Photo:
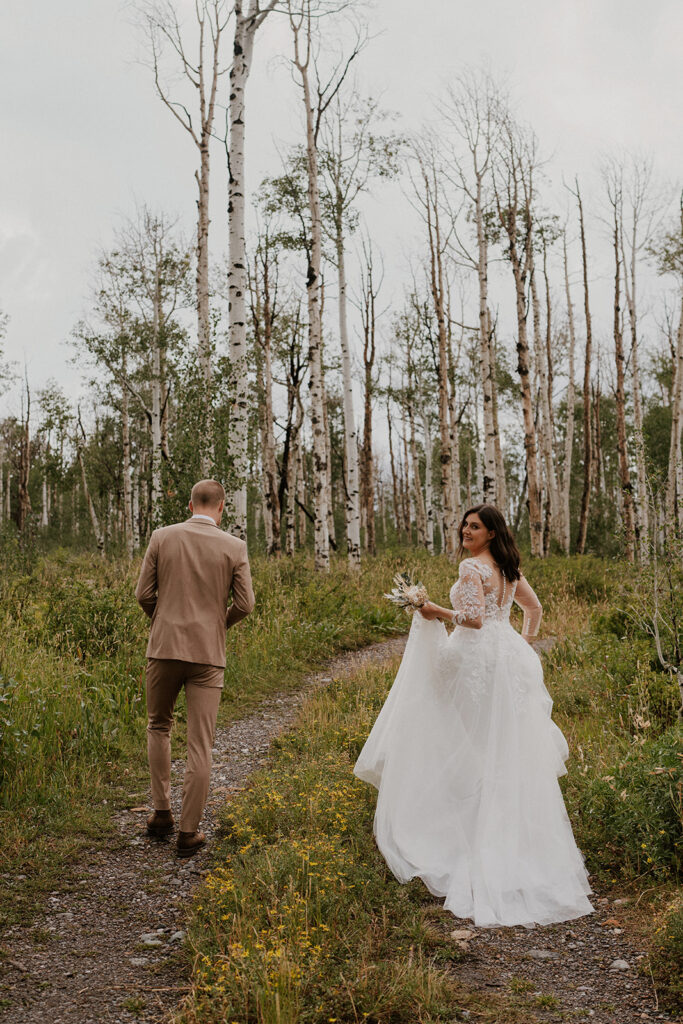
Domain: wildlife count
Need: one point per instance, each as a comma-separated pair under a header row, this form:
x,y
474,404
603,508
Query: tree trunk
x,y
316,384
429,497
420,511
156,411
587,440
438,296
398,515
24,506
129,539
674,495
546,417
246,27
97,529
624,472
486,368
641,503
352,501
571,400
329,501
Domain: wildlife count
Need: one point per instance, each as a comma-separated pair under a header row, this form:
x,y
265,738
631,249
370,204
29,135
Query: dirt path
x,y
109,949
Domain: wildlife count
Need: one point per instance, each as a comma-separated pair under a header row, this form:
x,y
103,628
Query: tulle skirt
x,y
466,758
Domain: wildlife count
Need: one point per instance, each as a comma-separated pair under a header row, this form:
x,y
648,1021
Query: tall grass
x,y
72,710
300,921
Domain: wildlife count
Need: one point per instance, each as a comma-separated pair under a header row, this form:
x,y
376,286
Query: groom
x,y
188,573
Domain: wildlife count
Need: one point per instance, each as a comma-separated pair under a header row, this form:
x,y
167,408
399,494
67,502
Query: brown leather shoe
x,y
189,842
160,823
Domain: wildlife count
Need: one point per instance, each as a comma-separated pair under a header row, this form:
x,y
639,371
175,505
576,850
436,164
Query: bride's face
x,y
475,536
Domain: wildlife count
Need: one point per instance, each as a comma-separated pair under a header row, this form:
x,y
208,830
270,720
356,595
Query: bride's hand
x,y
429,610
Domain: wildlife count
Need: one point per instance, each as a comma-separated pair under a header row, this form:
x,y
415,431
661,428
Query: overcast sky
x,y
84,137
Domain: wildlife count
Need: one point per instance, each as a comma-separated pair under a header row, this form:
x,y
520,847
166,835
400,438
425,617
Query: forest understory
x,y
88,895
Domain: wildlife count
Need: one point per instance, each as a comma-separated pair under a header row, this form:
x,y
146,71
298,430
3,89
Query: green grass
x,y
72,710
300,919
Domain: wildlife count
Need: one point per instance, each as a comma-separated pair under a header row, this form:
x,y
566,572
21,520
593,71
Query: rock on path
x,y
108,947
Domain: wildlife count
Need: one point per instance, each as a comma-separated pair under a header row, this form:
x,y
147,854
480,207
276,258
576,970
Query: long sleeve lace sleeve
x,y
531,606
468,597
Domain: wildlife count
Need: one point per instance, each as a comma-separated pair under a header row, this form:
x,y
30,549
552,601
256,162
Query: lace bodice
x,y
483,593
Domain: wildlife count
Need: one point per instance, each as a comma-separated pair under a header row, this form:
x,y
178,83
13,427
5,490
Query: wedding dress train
x,y
466,760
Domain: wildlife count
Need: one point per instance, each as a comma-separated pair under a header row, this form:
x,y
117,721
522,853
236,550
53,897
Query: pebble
x,y
542,954
138,961
178,936
462,933
619,965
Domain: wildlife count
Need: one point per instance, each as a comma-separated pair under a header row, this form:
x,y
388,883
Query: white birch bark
x,y
429,489
352,502
129,539
302,59
246,26
545,432
674,488
203,73
637,190
571,401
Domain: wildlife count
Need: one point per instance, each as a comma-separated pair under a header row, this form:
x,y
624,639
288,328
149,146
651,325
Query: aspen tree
x,y
571,399
587,426
472,109
263,288
203,73
248,19
634,238
303,59
613,180
369,293
438,221
94,518
514,185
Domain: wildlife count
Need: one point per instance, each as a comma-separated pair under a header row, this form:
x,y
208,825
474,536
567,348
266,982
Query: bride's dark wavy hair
x,y
503,547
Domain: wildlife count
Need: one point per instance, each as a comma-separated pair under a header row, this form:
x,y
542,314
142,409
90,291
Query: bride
x,y
464,754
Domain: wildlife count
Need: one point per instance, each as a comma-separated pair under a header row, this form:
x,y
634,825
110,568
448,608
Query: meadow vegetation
x,y
299,919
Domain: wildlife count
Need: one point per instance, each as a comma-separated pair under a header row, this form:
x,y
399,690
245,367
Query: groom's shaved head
x,y
207,494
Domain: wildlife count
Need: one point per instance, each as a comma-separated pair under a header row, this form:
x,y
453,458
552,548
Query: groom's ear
x,y
189,505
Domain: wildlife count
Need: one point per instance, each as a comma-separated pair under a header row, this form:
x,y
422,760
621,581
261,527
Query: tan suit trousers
x,y
165,679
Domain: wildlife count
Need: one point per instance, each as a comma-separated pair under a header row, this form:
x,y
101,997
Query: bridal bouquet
x,y
407,593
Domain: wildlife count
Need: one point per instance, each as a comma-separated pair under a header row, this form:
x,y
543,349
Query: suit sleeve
x,y
242,591
146,590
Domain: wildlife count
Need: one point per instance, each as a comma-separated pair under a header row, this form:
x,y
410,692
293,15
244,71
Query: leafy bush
x,y
666,958
630,817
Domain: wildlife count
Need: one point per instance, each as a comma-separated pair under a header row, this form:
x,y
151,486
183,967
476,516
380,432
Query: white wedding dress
x,y
465,758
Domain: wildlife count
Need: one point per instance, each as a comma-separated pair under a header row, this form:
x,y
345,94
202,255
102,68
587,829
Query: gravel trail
x,y
108,949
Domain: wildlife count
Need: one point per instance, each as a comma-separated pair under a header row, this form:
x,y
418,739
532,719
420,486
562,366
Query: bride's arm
x,y
532,608
469,610
431,610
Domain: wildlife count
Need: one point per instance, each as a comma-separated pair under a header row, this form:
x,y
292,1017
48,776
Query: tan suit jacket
x,y
188,573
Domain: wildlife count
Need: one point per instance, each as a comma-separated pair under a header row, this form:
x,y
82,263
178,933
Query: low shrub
x,y
666,958
629,816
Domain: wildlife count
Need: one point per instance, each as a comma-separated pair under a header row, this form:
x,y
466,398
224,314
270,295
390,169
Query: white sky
x,y
84,137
